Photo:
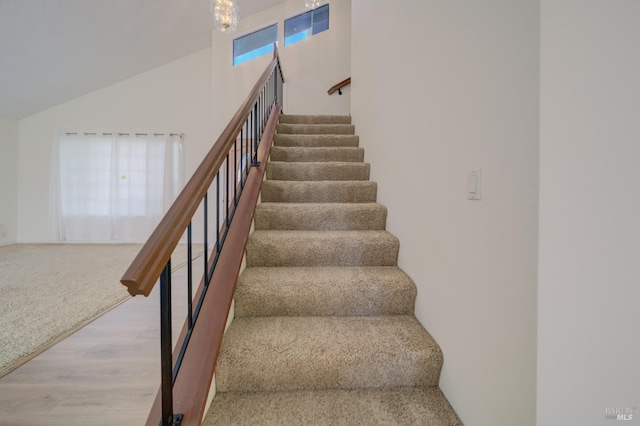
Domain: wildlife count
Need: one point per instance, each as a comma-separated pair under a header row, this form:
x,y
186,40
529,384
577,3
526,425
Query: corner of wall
x,y
9,141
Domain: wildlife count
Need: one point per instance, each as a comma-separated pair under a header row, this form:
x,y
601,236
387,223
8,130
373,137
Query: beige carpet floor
x,y
48,291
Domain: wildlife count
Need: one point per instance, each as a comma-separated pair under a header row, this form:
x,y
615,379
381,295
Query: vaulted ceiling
x,y
52,51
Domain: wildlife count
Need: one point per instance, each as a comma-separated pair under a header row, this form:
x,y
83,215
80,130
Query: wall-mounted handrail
x,y
338,86
249,133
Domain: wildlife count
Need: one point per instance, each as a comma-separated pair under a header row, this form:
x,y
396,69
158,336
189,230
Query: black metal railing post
x,y
254,160
227,218
275,87
205,202
189,278
218,212
166,360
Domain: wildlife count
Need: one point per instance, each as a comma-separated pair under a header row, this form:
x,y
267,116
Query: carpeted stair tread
x,y
408,406
326,352
324,291
320,216
315,154
316,129
319,191
316,140
315,119
324,331
284,170
322,248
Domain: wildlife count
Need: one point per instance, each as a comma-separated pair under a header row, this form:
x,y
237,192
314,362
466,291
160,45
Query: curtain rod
x,y
123,134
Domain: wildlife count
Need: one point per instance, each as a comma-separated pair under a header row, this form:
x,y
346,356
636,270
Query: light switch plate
x,y
474,184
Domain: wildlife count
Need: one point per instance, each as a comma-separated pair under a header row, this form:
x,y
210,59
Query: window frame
x,y
249,33
310,29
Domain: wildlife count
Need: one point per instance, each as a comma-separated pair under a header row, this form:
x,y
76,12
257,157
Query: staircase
x,y
324,331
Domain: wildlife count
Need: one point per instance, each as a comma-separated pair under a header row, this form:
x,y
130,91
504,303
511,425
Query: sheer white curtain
x,y
113,187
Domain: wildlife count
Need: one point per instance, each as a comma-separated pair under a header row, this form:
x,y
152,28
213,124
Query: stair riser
x,y
324,292
386,406
316,140
316,129
282,170
314,119
349,374
300,354
321,250
297,154
309,217
319,192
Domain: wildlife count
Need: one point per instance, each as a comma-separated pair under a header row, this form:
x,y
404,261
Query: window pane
x,y
321,19
255,44
140,176
297,28
85,166
306,24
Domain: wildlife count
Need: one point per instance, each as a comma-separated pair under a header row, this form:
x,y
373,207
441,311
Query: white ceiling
x,y
52,51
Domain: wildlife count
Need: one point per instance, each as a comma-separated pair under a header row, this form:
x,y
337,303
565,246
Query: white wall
x,y
440,88
173,98
8,180
310,67
589,276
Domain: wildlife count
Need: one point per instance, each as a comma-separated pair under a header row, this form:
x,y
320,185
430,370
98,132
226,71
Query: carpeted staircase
x,y
324,331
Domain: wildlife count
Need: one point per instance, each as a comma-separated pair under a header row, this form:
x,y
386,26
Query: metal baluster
x,y
280,94
259,112
189,278
205,201
227,219
270,93
235,174
241,157
251,132
259,106
246,148
254,160
166,346
218,212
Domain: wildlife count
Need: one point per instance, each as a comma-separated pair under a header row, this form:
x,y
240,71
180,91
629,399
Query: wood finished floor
x,y
106,373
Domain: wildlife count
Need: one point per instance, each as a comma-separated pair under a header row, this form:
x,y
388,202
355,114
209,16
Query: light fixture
x,y
313,4
226,14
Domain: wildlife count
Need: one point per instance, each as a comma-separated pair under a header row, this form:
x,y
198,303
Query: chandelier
x,y
313,4
226,14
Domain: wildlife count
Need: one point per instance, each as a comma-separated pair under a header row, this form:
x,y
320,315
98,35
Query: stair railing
x,y
186,373
339,86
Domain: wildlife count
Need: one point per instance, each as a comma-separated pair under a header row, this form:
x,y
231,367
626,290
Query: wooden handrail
x,y
192,384
337,87
147,266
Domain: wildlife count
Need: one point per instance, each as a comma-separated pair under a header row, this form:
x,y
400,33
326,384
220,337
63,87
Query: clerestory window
x,y
306,24
255,44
